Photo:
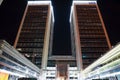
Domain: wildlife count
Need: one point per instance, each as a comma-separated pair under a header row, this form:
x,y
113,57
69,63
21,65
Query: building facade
x,y
33,35
89,36
110,66
89,39
13,65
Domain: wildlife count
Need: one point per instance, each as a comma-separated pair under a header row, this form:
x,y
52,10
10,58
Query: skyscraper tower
x,y
33,35
89,39
89,36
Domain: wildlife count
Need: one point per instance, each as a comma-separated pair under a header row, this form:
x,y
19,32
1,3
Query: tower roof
x,y
39,2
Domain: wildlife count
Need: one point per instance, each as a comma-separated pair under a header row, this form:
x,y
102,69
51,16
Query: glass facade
x,y
31,37
13,64
93,42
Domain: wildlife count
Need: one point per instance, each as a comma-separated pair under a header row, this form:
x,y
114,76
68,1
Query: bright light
x,y
52,13
71,13
39,2
12,73
112,74
84,2
107,57
19,49
1,2
51,68
60,78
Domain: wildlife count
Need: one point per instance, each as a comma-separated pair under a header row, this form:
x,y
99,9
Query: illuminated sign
x,y
4,76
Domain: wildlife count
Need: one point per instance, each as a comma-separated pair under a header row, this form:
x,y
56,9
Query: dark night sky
x,y
61,39
11,12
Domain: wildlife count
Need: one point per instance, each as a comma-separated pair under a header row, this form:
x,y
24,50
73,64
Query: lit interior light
x,y
27,55
19,49
84,56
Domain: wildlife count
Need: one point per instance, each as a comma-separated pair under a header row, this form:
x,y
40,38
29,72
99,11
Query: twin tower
x,y
88,36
